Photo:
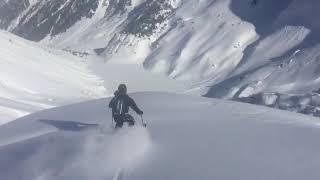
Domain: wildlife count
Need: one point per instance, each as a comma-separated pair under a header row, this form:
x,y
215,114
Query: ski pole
x,y
112,120
143,124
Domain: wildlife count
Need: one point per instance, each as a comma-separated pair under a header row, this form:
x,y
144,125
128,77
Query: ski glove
x,y
140,112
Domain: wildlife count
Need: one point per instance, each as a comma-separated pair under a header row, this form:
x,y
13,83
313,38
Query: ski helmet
x,y
122,89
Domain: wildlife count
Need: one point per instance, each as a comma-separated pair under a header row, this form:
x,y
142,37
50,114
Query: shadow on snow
x,y
69,125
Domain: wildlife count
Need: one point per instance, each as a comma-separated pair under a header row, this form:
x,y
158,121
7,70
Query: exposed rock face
x,y
53,17
10,10
306,104
232,49
144,19
116,7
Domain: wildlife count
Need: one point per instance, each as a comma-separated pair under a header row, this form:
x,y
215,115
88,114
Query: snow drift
x,y
187,138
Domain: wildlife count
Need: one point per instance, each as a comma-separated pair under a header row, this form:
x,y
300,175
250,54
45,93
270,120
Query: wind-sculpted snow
x,y
206,43
187,137
64,149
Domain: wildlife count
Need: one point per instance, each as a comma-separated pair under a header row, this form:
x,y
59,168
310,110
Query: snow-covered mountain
x,y
261,52
187,137
234,49
33,78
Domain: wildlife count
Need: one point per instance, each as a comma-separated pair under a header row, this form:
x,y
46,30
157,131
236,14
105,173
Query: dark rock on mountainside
x,y
116,7
260,13
143,20
53,17
306,104
11,10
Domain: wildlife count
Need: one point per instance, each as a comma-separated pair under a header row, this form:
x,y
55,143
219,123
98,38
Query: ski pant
x,y
120,119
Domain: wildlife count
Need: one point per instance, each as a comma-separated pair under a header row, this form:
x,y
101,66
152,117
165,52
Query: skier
x,y
120,104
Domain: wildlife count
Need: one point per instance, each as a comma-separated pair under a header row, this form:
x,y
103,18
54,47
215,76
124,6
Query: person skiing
x,y
120,104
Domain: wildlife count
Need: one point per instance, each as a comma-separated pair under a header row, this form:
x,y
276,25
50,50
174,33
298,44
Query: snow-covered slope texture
x,y
186,138
208,39
222,48
33,78
284,61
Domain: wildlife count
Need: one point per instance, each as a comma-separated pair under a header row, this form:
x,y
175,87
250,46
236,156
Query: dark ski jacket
x,y
127,102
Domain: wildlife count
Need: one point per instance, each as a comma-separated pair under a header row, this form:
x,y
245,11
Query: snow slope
x,y
206,43
34,77
230,49
220,48
187,137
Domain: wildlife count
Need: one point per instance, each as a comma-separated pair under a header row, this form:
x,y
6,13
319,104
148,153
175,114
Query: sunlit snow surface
x,y
33,77
221,48
228,49
186,138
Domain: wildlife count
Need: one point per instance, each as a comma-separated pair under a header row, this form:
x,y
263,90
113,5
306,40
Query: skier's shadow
x,y
69,125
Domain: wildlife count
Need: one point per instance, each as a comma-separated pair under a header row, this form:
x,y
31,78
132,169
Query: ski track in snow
x,y
187,137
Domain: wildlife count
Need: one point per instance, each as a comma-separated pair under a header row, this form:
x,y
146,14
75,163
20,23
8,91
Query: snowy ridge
x,y
242,45
231,49
201,42
187,137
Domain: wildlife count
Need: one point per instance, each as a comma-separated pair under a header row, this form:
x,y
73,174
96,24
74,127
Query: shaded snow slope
x,y
134,76
205,43
187,138
220,48
284,59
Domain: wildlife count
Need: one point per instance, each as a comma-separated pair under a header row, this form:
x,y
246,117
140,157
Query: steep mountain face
x,y
11,9
233,49
284,61
53,17
143,20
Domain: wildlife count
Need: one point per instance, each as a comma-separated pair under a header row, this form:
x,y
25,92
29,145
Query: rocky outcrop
x,y
53,17
10,10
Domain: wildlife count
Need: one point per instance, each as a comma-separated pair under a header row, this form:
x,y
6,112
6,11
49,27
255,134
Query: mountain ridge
x,y
221,48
